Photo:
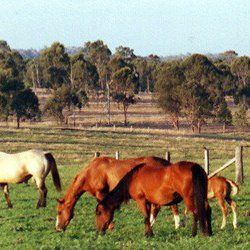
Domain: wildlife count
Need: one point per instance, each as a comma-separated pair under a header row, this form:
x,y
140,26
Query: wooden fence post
x,y
117,155
206,160
167,156
239,175
97,154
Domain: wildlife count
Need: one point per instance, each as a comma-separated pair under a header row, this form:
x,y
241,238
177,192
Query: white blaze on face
x,y
177,221
152,220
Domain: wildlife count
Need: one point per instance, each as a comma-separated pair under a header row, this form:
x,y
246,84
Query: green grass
x,y
25,227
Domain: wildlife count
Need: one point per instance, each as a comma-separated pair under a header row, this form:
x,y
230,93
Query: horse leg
x,y
209,218
6,194
155,209
177,220
224,211
43,193
190,207
145,208
233,207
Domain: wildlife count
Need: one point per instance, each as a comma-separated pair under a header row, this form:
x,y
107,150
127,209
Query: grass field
x,y
25,227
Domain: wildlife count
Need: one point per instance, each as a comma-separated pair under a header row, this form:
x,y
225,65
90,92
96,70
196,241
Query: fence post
x,y
239,164
167,156
97,154
117,155
206,160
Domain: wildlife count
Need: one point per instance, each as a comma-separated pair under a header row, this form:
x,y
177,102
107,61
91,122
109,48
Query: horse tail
x,y
120,193
234,187
55,175
199,178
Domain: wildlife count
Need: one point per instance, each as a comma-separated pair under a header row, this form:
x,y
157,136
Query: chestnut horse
x,y
160,186
220,188
98,179
19,167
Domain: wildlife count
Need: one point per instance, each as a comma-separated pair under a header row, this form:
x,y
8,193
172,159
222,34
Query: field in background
x,y
143,114
24,227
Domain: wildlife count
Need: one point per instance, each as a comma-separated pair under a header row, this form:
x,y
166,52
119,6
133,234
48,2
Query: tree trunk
x,y
18,122
125,109
176,123
148,87
224,127
199,127
108,102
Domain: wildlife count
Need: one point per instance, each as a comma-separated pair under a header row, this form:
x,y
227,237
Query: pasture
x,y
25,227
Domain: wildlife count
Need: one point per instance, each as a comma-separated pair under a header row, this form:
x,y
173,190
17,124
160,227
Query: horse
x,y
20,167
160,186
220,188
98,179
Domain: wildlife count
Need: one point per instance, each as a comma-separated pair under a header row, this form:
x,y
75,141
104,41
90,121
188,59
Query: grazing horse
x,y
160,186
18,168
218,187
98,179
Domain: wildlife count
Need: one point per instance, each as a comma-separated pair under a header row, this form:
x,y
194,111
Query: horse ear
x,y
60,201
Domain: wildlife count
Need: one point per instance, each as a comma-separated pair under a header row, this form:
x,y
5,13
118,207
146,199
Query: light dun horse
x,y
18,168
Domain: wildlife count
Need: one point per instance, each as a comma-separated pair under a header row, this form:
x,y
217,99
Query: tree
x,y
126,53
65,97
33,74
146,70
25,105
240,117
240,68
200,70
167,90
98,54
224,115
15,99
196,104
83,74
54,63
123,88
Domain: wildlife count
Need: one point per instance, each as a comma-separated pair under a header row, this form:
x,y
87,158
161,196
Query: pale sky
x,y
148,26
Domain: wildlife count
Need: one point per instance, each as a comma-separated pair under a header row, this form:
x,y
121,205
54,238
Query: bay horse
x,y
160,186
20,167
98,179
220,188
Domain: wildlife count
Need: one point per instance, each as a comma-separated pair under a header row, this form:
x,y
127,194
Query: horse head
x,y
64,215
104,216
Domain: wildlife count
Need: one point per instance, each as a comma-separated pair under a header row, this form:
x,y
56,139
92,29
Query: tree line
x,y
194,87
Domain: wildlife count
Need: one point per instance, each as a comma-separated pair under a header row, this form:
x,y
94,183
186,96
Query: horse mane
x,y
120,193
161,161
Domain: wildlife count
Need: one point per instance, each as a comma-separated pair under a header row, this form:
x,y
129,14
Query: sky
x,y
159,27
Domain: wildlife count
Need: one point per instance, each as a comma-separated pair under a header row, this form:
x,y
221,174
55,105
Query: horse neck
x,y
75,191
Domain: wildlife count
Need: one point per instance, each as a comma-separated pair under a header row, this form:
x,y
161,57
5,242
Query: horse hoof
x,y
111,226
149,234
10,206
